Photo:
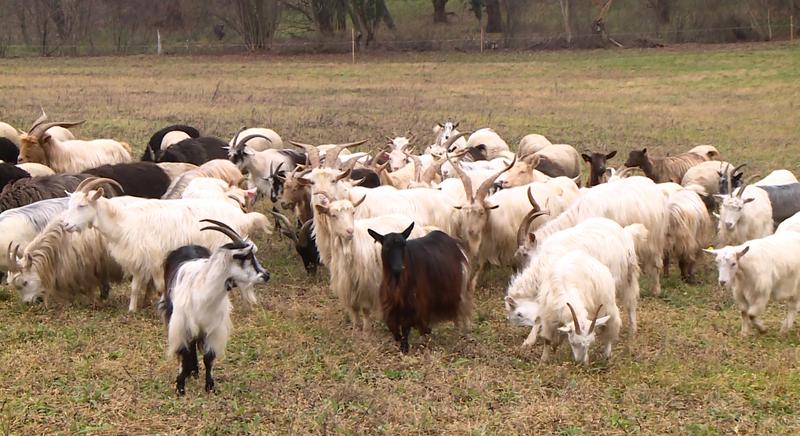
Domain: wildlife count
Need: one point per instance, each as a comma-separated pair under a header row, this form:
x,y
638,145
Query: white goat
x,y
532,143
36,169
140,235
777,177
760,270
744,215
216,189
488,143
791,224
196,308
690,230
19,226
260,139
577,287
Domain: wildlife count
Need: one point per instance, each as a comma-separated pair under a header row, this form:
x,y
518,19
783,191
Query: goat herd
x,y
404,236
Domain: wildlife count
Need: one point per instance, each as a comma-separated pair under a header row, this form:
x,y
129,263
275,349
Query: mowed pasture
x,y
293,364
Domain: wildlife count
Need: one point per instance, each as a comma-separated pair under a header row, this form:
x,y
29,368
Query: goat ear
x,y
407,232
511,302
532,238
644,151
748,200
375,235
612,154
743,252
710,251
97,194
321,209
586,158
603,320
248,151
566,328
719,196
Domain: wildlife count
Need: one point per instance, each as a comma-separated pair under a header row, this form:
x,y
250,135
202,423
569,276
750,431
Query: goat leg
x,y
105,289
208,361
404,339
186,358
194,366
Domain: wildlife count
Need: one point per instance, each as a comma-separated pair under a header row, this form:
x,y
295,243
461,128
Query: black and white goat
x,y
196,308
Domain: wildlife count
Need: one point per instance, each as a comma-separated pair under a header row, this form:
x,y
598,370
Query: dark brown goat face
x,y
597,165
636,158
393,247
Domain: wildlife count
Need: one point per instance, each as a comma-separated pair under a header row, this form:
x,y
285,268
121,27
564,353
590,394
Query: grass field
x,y
293,366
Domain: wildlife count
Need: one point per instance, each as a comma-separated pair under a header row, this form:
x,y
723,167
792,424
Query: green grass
x,y
293,366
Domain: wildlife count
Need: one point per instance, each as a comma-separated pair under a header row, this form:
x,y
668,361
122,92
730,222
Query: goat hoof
x,y
195,374
181,391
210,388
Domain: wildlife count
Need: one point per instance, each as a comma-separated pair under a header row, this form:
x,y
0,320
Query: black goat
x,y
139,179
195,151
30,190
154,145
365,177
11,173
425,280
303,238
597,165
9,152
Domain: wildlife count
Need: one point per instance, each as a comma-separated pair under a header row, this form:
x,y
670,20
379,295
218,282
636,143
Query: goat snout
x,y
264,277
723,283
729,226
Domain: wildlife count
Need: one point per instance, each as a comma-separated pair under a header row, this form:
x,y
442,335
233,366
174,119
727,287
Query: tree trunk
x,y
439,11
494,16
565,15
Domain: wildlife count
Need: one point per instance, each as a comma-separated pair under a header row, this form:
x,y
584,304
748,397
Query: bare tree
x,y
255,20
439,11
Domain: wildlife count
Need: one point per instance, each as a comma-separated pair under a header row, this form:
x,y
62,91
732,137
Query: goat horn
x,y
286,225
238,132
278,168
13,265
417,166
465,180
746,182
483,190
42,118
343,175
596,313
350,164
536,212
574,319
39,130
91,183
735,169
311,151
451,140
357,203
223,228
304,232
332,156
244,140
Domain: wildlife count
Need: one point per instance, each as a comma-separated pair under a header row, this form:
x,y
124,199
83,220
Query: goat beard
x,y
346,247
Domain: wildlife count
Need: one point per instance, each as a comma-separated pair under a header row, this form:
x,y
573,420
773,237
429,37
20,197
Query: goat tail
x,y
638,233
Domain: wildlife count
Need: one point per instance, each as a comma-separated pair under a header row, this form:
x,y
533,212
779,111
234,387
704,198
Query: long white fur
x,y
19,226
791,224
706,174
142,234
627,201
777,177
746,217
74,156
216,189
495,145
428,207
260,144
577,278
36,169
690,226
768,270
173,137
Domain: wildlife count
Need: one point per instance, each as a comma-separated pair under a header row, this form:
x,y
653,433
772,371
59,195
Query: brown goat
x,y
664,169
424,281
597,165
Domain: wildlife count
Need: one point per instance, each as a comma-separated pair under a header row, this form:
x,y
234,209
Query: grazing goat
x,y
760,270
139,235
745,214
777,177
69,156
627,201
711,175
33,189
597,166
138,179
165,137
425,280
664,169
61,266
709,151
532,143
196,308
9,151
20,225
577,285
690,230
216,189
195,151
303,239
260,138
11,173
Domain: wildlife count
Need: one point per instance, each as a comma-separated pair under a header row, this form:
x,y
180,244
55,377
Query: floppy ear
x,y
743,252
375,235
586,158
511,302
321,209
612,154
602,321
407,232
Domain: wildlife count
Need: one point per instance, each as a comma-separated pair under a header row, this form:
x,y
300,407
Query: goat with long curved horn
x,y
285,226
224,229
594,320
483,190
536,212
332,156
39,130
575,319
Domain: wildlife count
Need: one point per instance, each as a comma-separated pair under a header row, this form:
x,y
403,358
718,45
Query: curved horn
x,y
278,168
574,319
244,140
311,151
286,225
483,190
91,183
746,182
597,312
42,118
223,228
417,166
304,232
430,173
343,175
13,265
236,136
451,140
465,180
536,212
737,168
39,130
357,203
332,156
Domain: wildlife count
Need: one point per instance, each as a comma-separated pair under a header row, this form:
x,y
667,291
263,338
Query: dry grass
x,y
293,365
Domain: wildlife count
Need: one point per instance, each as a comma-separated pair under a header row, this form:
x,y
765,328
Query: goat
x,y
303,239
29,190
559,160
664,169
69,156
217,168
486,144
196,308
20,225
260,139
791,224
710,175
577,285
216,189
138,179
261,166
36,169
760,270
11,173
532,143
9,151
627,201
690,229
9,133
709,151
61,266
597,166
745,214
140,234
195,151
444,131
165,137
425,280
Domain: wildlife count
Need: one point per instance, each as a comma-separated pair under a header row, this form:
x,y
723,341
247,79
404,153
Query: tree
x,y
439,11
255,20
366,15
494,15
